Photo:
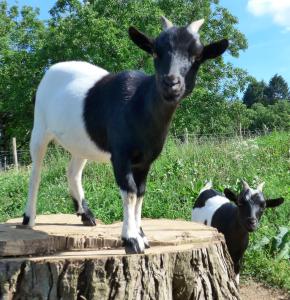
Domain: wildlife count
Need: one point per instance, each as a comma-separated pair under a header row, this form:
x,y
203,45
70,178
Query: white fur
x,y
60,101
202,214
59,113
138,211
130,229
74,175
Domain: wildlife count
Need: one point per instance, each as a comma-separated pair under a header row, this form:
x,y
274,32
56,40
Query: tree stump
x,y
62,259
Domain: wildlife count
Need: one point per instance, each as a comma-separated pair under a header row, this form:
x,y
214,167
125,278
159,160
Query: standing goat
x,y
234,220
123,118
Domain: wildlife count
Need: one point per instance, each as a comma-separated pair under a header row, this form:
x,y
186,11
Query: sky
x,y
265,23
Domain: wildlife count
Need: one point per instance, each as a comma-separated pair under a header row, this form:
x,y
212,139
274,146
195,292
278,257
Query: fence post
x,y
15,158
186,136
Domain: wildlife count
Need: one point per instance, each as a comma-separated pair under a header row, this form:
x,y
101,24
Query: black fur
x,y
142,234
128,114
204,196
226,220
236,219
87,216
131,246
25,220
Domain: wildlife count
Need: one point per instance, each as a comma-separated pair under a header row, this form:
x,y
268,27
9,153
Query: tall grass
x,y
174,183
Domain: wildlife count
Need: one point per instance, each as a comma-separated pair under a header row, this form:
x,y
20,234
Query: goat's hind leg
x,y
74,174
38,147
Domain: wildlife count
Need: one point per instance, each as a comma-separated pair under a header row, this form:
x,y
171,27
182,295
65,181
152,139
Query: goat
x,y
234,220
123,118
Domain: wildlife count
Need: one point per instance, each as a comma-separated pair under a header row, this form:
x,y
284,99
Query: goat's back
x,y
59,106
207,203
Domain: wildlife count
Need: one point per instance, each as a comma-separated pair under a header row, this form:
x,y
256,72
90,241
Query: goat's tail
x,y
207,186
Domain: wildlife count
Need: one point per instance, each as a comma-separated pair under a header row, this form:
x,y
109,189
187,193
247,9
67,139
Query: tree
x,y
22,36
277,89
204,113
255,93
240,115
275,116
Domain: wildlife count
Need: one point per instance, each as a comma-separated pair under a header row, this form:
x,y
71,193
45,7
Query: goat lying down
x,y
120,118
234,219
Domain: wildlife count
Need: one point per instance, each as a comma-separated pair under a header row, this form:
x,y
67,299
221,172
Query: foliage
x,y
22,37
91,31
255,93
207,113
271,117
173,185
260,92
277,89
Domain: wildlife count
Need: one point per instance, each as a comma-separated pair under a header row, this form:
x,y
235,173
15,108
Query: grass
x,y
174,183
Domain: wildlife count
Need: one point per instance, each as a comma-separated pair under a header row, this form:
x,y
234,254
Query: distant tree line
x,y
97,32
267,94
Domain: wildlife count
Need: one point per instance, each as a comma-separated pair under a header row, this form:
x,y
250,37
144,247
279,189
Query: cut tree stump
x,y
62,259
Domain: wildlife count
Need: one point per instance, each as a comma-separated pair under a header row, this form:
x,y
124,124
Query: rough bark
x,y
201,270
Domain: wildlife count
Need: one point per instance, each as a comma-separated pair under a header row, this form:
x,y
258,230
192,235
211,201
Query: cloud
x,y
279,10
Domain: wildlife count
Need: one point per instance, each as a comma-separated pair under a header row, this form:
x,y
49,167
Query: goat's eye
x,y
198,57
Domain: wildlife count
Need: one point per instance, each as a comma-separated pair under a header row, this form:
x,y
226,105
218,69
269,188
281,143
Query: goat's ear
x,y
230,195
274,202
141,40
214,50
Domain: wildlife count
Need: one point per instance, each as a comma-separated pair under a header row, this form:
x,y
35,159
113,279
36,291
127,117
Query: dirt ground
x,y
257,291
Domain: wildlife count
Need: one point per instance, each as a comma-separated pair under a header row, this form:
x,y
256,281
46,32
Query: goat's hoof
x,y
145,240
133,245
88,218
25,220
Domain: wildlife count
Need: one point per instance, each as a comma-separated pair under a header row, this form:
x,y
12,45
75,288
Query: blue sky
x,y
266,24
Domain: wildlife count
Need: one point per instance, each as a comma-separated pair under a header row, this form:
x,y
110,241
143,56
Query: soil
x,y
256,291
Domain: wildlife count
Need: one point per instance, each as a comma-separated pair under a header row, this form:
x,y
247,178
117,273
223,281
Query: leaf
x,y
285,252
261,244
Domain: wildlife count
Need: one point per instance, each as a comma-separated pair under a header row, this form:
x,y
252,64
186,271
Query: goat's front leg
x,y
140,176
132,240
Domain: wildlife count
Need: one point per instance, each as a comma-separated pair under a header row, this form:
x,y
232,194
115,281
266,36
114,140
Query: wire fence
x,y
199,138
7,159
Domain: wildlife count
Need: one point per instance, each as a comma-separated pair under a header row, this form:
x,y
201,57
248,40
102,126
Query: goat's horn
x,y
195,26
245,185
260,186
166,23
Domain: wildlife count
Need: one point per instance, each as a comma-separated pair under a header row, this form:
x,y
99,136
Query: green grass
x,y
174,182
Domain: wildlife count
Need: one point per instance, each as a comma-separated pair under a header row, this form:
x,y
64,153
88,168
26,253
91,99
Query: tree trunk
x,y
186,261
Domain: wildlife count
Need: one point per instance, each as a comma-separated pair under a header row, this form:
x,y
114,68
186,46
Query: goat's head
x,y
251,204
178,53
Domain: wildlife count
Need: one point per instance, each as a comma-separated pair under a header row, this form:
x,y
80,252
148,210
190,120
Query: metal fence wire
x,y
7,160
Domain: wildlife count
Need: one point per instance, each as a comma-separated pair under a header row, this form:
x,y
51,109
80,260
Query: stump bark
x,y
61,259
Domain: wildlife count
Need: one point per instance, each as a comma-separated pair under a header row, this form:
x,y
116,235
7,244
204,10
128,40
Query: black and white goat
x,y
122,118
235,220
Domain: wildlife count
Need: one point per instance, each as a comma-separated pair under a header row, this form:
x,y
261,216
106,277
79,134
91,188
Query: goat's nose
x,y
252,221
171,80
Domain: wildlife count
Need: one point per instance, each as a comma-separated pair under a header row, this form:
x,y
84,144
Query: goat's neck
x,y
160,110
240,227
